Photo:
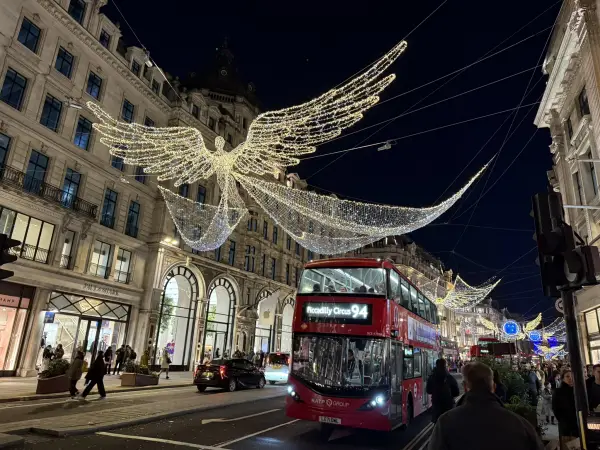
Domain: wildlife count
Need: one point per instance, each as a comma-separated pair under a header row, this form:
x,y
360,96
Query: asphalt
x,y
260,424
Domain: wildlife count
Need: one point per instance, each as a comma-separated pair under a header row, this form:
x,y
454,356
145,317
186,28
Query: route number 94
x,y
359,311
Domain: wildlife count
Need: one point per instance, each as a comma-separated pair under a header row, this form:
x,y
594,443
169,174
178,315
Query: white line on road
x,y
223,444
163,441
425,444
418,437
205,421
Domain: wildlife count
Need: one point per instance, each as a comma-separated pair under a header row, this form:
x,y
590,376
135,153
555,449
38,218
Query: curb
x,y
75,431
11,442
26,398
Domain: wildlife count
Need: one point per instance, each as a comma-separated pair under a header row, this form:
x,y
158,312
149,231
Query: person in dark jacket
x,y
443,388
75,372
563,405
593,389
108,355
120,354
500,390
95,376
480,420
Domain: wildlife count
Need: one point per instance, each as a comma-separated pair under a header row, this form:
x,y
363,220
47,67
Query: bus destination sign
x,y
350,313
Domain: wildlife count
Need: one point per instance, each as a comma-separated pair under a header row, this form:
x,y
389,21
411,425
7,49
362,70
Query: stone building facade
x,y
101,263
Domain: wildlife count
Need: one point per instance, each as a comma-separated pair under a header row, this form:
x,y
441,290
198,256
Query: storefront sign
x,y
420,332
100,289
8,300
49,317
351,313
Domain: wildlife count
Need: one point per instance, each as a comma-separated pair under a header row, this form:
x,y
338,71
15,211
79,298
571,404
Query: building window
x,y
265,230
273,268
184,190
36,172
70,188
577,185
133,218
77,10
287,274
135,67
195,111
4,145
29,35
592,173
117,162
582,101
123,266
249,258
148,122
101,259
127,111
109,208
104,38
201,195
310,255
231,259
288,243
64,62
296,276
94,85
275,232
252,224
35,235
229,139
140,176
264,265
298,249
66,258
218,254
83,133
211,123
13,89
155,87
244,123
51,113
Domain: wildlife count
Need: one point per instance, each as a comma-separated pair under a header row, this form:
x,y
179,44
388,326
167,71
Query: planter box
x,y
52,385
136,379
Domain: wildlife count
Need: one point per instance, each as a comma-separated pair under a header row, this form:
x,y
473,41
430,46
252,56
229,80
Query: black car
x,y
228,374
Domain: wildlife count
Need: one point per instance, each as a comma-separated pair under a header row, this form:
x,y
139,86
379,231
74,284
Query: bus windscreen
x,y
366,281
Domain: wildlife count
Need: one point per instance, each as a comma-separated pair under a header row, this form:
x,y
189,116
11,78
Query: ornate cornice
x,y
91,42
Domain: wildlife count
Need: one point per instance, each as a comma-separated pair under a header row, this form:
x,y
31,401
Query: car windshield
x,y
343,280
334,364
277,359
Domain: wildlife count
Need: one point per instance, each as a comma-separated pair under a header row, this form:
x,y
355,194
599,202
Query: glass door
x,y
396,369
87,338
215,340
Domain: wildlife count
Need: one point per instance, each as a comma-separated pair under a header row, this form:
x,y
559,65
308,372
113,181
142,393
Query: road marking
x,y
418,437
223,444
205,421
425,444
163,441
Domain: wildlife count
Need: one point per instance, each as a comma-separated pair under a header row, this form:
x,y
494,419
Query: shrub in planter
x,y
54,379
137,375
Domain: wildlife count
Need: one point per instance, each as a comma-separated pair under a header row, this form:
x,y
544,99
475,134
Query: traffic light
x,y
6,244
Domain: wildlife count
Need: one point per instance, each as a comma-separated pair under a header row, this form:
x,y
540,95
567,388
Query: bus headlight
x,y
290,389
292,393
376,402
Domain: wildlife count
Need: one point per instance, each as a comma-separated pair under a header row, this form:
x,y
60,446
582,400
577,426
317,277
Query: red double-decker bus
x,y
364,342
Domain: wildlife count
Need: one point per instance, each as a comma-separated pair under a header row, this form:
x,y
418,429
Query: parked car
x,y
277,367
228,374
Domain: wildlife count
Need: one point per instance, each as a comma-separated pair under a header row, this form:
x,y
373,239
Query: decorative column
x,y
31,345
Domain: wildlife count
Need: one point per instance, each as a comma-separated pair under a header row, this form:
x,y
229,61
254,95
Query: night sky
x,y
295,54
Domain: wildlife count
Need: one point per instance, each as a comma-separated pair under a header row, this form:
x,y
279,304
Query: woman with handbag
x,y
164,363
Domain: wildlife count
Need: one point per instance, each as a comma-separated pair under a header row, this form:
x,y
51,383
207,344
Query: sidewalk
x,y
93,421
14,389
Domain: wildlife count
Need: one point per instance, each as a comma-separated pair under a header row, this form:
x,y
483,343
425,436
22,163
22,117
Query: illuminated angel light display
x,y
462,296
510,330
275,140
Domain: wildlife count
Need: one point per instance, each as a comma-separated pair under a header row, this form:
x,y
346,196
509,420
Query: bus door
x,y
425,363
396,369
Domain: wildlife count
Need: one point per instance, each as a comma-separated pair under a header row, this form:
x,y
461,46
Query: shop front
x,y
15,306
85,323
592,334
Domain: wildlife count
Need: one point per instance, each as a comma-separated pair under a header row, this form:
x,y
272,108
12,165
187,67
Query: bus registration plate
x,y
332,420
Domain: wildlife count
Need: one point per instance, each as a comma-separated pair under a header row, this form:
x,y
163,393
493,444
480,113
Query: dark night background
x,y
299,51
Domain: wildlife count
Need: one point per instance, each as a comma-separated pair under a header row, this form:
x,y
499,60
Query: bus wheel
x,y
326,431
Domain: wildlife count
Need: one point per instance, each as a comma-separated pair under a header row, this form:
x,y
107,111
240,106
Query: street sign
x,y
559,306
510,328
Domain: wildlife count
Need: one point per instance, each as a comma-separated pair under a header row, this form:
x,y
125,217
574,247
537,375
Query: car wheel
x,y
261,383
271,382
232,386
201,388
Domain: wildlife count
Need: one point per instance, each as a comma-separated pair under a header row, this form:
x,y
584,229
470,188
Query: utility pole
x,y
565,268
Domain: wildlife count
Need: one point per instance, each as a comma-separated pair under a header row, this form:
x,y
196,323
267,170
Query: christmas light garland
x,y
462,296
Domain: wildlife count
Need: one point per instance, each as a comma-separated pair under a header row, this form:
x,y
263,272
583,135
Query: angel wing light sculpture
x,y
275,140
463,296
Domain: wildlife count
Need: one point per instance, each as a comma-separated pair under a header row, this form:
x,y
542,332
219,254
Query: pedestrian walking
x,y
164,363
75,372
95,376
533,385
108,356
500,390
47,356
217,354
547,403
593,389
251,356
120,354
563,405
261,359
480,420
443,388
59,352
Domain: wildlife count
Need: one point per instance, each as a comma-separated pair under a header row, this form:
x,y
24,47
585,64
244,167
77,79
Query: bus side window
x,y
408,363
421,306
435,314
414,303
395,287
417,362
428,311
404,292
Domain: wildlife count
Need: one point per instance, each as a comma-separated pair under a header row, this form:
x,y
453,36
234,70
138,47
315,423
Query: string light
x,y
463,297
275,140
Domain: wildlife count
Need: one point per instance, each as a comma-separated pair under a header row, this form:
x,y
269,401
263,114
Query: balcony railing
x,y
66,262
99,271
12,177
122,277
31,252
